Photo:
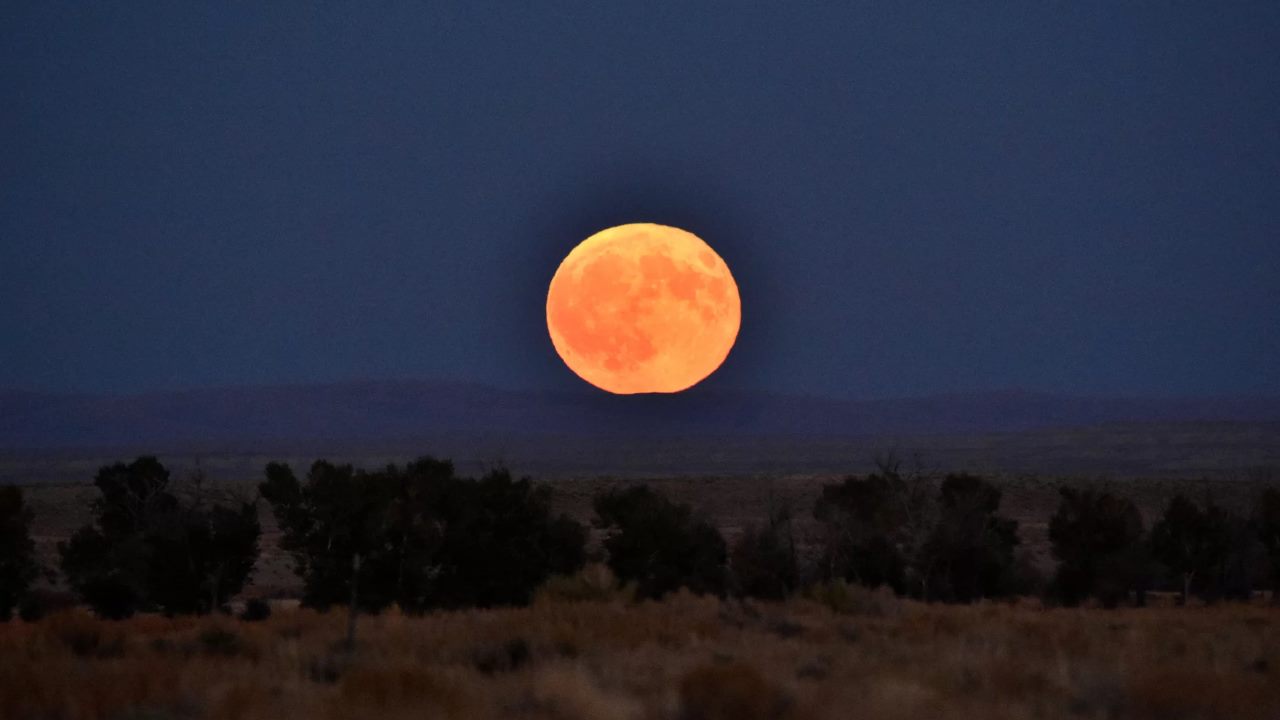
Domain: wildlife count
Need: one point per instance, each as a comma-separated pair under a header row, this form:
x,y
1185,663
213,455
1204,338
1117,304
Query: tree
x,y
419,536
878,528
660,545
201,557
1189,541
500,542
334,527
1267,521
18,566
971,547
147,549
1244,566
1096,537
106,562
763,560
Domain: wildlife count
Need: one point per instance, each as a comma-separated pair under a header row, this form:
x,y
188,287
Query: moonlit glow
x,y
643,308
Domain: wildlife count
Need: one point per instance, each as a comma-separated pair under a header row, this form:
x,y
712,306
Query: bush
x,y
39,603
419,536
18,566
1190,542
877,528
763,562
731,691
510,655
146,549
845,598
659,545
335,529
594,583
1097,539
970,551
221,642
31,609
198,558
501,542
1267,522
256,610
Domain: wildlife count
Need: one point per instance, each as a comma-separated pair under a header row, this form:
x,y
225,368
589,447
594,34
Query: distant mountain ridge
x,y
354,412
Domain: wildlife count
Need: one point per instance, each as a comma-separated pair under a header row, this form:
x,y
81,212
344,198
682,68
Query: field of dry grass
x,y
857,655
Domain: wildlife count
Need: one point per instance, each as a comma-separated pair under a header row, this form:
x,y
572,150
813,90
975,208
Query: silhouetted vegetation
x,y
422,538
659,545
863,520
335,527
1191,542
971,550
1267,519
1097,539
419,536
256,610
763,560
900,530
146,549
18,566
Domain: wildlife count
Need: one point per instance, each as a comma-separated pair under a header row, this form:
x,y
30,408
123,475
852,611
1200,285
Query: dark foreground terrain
x,y
849,653
733,504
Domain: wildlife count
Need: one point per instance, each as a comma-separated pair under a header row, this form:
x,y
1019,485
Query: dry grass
x,y
687,657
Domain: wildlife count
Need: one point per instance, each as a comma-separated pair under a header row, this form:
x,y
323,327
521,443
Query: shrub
x,y
877,528
106,574
198,558
38,603
334,529
18,566
510,655
419,536
86,637
31,609
659,545
970,552
1190,542
220,642
256,610
845,598
731,691
146,549
594,583
1267,521
1244,566
1096,537
500,543
763,562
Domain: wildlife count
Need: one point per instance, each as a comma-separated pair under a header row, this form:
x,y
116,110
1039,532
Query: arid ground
x,y
836,651
851,654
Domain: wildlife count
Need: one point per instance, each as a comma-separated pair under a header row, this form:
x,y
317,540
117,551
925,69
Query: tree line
x,y
421,537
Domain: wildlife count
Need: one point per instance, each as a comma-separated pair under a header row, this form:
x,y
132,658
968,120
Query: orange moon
x,y
643,308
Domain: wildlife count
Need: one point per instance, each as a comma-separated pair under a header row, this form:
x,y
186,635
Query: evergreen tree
x,y
18,566
972,547
660,545
146,549
1097,539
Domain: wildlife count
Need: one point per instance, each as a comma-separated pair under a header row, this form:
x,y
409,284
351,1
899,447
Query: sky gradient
x,y
914,198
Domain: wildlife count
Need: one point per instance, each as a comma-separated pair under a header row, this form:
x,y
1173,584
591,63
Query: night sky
x,y
915,198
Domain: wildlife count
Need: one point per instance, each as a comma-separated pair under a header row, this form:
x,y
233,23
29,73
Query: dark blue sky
x,y
915,198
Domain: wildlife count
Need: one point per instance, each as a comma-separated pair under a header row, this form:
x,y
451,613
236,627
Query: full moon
x,y
643,308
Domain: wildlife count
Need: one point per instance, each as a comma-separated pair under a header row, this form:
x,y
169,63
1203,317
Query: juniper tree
x,y
18,566
660,545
